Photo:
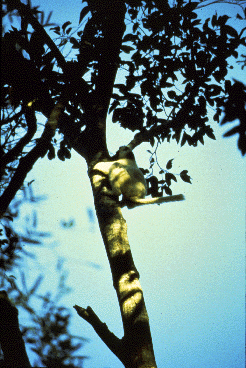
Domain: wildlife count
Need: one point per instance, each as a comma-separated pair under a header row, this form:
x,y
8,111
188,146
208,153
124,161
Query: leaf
x,y
126,49
214,90
42,17
240,34
66,153
169,177
57,29
152,141
65,25
9,217
209,132
133,13
201,140
230,31
172,95
169,164
63,42
68,30
214,20
49,16
51,153
74,42
196,22
167,190
231,132
184,139
83,13
36,284
153,187
129,37
222,20
185,177
135,27
114,104
189,7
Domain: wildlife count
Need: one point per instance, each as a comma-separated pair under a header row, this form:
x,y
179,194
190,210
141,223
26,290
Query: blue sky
x,y
190,255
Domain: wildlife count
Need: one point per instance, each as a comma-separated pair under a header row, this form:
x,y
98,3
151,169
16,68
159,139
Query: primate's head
x,y
124,152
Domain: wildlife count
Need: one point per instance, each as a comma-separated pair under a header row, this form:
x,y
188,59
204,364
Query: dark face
x,y
125,152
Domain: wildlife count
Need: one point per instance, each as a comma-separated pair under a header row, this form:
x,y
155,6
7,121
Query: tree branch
x,y
201,5
26,163
25,12
136,343
12,154
112,341
112,15
146,135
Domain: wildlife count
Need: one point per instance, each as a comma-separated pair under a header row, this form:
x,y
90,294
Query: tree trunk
x,y
135,349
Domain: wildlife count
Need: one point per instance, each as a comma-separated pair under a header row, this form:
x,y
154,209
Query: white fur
x,y
127,179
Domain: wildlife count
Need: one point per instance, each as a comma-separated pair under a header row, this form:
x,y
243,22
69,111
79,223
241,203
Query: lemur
x,y
127,179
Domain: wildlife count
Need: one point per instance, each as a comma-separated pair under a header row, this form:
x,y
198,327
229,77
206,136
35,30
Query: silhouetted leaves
x,y
177,61
202,59
185,177
83,13
46,329
235,109
169,164
64,26
153,187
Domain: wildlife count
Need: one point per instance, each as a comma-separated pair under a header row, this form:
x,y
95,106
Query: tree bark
x,y
135,349
11,340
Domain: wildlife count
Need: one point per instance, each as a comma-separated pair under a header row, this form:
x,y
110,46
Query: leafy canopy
x,y
174,68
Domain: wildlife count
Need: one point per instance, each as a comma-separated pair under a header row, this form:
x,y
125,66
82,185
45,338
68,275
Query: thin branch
x,y
12,154
201,5
26,163
145,135
112,341
25,12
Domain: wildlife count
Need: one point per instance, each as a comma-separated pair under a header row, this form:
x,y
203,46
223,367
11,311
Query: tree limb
x,y
108,337
25,12
146,135
237,2
137,342
12,154
114,27
26,163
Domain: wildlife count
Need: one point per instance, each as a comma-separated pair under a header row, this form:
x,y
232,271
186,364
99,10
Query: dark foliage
x,y
175,68
178,62
47,330
235,109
